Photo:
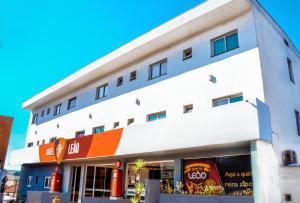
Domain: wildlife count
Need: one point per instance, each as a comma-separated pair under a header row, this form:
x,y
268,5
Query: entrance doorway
x,y
98,181
76,174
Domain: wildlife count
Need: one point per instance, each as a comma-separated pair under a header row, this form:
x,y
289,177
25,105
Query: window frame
x,y
224,36
133,75
105,91
69,103
50,180
34,118
29,181
157,114
120,81
56,108
291,71
228,98
150,74
184,56
101,126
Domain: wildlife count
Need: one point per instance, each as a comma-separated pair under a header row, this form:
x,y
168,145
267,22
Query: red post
x,y
116,181
56,181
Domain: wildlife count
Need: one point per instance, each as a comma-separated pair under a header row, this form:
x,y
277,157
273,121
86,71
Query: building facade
x,y
208,98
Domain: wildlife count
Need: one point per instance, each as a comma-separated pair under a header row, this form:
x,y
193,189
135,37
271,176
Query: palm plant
x,y
139,187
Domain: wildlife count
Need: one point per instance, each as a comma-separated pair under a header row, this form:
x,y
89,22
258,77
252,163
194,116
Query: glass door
x,y
76,174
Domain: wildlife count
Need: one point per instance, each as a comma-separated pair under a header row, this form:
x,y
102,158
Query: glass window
x,y
98,129
37,178
30,144
163,171
43,112
34,119
187,53
291,73
80,133
225,43
227,100
116,124
101,91
132,75
48,111
130,121
98,181
52,139
158,69
188,108
156,116
232,42
120,81
28,181
72,103
47,182
57,109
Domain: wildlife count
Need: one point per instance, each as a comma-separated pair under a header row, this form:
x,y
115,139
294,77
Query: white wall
x,y
281,95
120,105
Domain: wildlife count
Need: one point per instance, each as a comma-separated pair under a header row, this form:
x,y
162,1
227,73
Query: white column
x,y
265,170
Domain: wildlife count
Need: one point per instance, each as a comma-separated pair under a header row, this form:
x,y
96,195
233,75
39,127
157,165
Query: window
x,y
227,100
288,197
47,182
225,43
286,42
37,178
30,144
80,133
188,108
116,124
130,121
43,112
57,109
34,119
120,81
28,181
52,139
291,73
187,53
101,91
297,121
156,116
72,103
98,181
98,129
158,69
43,142
48,111
38,143
132,75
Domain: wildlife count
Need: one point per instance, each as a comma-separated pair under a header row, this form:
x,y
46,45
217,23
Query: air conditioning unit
x,y
289,157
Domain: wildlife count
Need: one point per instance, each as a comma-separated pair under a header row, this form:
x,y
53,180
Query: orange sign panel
x,y
92,146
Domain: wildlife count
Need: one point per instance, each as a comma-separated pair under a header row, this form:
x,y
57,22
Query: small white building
x,y
217,85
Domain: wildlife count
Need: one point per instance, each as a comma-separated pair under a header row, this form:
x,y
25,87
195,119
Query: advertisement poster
x,y
231,174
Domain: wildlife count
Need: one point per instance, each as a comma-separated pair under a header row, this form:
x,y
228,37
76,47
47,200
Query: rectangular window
x,y
38,143
156,116
43,112
37,178
227,100
132,75
225,43
34,119
72,103
57,109
130,121
101,91
291,73
98,129
48,111
187,53
158,69
116,124
43,142
297,121
188,108
47,182
28,181
80,133
52,139
30,144
120,81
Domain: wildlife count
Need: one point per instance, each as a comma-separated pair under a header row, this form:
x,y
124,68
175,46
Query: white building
x,y
218,82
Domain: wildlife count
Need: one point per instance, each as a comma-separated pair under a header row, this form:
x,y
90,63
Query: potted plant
x,y
139,187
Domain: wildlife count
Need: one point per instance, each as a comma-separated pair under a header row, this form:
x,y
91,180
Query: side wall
x,y
281,95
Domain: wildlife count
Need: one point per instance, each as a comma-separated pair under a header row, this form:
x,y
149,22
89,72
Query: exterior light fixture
x,y
57,125
212,78
90,116
138,102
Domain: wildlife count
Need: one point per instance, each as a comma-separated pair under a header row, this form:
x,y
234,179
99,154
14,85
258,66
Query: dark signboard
x,y
231,173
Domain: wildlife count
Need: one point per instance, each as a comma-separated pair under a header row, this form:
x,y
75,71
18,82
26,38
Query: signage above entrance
x,y
92,146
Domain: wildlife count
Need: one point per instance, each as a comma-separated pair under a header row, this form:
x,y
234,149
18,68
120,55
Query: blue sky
x,y
42,42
